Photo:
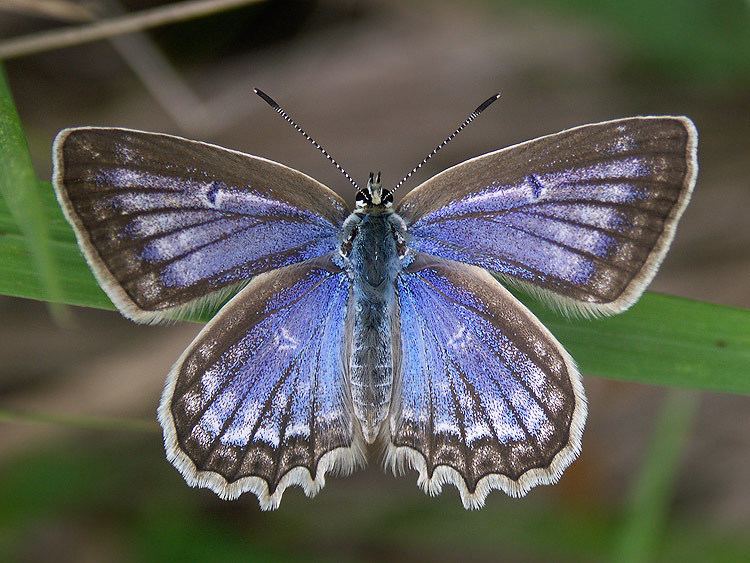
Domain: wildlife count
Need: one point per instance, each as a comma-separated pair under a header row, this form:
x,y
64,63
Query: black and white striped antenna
x,y
472,116
278,109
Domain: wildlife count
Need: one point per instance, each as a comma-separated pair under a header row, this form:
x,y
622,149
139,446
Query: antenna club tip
x,y
487,103
266,98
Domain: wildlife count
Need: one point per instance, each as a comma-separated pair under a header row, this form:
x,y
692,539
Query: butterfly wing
x,y
582,218
166,223
487,398
258,402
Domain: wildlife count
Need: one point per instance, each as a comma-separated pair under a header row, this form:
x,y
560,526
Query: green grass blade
x,y
662,340
647,514
18,189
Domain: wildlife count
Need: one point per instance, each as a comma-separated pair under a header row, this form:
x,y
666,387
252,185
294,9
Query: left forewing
x,y
487,398
258,401
170,226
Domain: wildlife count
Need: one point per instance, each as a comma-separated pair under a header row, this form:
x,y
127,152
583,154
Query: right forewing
x,y
581,218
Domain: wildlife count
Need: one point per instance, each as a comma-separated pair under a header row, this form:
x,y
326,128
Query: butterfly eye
x,y
387,198
363,198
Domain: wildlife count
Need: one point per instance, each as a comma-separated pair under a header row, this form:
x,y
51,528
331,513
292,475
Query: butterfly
x,y
382,328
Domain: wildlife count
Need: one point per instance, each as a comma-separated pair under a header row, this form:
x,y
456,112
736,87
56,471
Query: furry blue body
x,y
371,248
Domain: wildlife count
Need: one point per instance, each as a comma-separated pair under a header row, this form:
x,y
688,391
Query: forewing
x,y
165,222
487,398
583,217
258,402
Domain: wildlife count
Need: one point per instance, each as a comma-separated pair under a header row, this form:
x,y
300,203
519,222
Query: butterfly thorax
x,y
372,251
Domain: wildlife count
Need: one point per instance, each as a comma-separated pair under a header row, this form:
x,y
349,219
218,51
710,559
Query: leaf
x,y
699,41
18,188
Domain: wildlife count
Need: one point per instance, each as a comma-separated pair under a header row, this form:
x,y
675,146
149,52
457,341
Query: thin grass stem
x,y
83,422
652,494
145,19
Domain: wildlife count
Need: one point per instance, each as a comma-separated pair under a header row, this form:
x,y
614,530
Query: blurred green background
x,y
663,474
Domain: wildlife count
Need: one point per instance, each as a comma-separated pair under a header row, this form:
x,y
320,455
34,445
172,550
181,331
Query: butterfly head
x,y
374,196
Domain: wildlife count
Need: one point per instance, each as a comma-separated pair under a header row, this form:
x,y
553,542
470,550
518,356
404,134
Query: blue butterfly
x,y
380,327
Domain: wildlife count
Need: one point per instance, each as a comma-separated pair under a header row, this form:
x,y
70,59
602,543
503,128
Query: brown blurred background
x,y
378,83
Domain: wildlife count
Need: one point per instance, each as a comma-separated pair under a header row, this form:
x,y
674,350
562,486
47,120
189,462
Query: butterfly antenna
x,y
472,116
278,109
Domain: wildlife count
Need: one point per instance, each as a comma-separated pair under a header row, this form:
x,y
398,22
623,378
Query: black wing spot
x,y
213,192
536,186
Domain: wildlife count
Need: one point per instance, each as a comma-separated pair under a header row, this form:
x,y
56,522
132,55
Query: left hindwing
x,y
582,218
486,397
259,401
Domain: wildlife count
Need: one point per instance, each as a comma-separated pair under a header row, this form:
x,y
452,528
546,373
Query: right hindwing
x,y
486,397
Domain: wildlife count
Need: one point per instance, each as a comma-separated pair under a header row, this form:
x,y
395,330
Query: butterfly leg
x,y
398,230
348,233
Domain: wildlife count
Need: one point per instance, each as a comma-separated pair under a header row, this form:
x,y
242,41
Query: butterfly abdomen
x,y
374,262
